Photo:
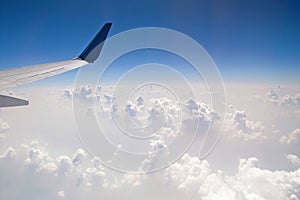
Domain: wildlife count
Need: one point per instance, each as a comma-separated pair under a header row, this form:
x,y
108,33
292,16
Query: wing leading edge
x,y
19,76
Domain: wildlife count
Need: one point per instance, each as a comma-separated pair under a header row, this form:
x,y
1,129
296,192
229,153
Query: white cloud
x,y
64,164
293,159
291,137
286,100
188,178
85,93
38,158
272,96
237,125
61,194
95,177
131,180
201,111
158,147
8,154
79,178
4,126
162,114
78,157
88,96
68,93
193,176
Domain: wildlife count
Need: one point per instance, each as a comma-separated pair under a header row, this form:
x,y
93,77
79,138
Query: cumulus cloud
x,y
61,194
130,180
94,177
272,96
38,158
97,100
87,93
161,114
194,176
237,125
293,159
158,147
84,93
8,154
189,178
286,100
291,137
201,111
78,157
64,165
68,93
4,126
291,100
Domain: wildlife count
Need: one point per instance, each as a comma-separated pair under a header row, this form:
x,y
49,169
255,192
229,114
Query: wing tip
x,y
93,49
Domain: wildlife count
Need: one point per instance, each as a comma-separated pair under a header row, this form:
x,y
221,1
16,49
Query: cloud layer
x,y
250,157
189,178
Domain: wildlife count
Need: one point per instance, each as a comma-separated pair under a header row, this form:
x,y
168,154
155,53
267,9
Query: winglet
x,y
92,51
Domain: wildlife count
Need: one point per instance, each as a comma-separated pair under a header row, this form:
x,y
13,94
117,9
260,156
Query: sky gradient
x,y
54,149
250,41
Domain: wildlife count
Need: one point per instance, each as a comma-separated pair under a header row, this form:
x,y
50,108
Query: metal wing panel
x,y
19,76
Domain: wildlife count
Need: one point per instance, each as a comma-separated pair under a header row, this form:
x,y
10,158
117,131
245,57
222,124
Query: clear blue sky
x,y
250,40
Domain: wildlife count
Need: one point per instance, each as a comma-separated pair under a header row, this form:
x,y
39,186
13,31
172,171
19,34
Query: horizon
x,y
247,41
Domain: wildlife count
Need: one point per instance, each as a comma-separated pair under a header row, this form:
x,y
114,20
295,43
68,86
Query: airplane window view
x,y
180,100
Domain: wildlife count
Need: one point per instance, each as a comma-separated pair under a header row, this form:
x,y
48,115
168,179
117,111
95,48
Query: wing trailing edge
x,y
8,101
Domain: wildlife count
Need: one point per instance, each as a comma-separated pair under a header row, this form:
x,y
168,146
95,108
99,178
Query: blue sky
x,y
252,41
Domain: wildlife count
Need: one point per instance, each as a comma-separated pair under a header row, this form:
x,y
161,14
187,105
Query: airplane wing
x,y
19,76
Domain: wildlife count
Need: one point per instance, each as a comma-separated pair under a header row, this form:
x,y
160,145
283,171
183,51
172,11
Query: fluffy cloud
x,y
78,157
86,96
193,176
291,100
238,125
158,147
293,159
64,165
88,93
162,112
272,96
8,154
93,176
291,137
189,178
4,126
175,115
84,93
61,194
201,111
286,100
39,160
